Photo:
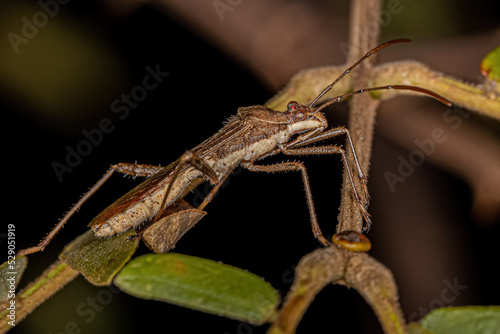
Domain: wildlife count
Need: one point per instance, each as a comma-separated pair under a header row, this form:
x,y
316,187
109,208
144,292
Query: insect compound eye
x,y
352,240
292,106
296,111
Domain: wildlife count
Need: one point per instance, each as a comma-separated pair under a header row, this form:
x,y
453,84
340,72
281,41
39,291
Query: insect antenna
x,y
400,87
368,54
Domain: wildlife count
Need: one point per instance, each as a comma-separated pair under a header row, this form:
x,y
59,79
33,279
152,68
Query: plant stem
x,y
372,280
314,271
45,286
473,97
376,284
369,277
364,31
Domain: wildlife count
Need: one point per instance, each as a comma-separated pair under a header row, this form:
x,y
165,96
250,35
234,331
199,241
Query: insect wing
x,y
135,195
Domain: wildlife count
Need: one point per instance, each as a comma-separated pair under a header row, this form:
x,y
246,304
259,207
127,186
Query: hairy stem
x,y
478,98
45,286
370,278
364,31
374,281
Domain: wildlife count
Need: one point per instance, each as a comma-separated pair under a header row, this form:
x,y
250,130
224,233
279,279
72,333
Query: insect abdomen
x,y
140,212
131,217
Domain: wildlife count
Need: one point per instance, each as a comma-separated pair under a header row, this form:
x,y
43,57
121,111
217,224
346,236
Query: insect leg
x,y
330,134
331,149
135,169
294,166
188,158
125,168
214,190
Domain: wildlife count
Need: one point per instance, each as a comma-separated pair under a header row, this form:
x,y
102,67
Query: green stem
x,y
477,98
52,280
306,85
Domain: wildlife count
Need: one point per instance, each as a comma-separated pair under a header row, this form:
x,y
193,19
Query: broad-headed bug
x,y
253,134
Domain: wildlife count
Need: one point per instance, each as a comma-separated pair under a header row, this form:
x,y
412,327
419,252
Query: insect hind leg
x,y
131,169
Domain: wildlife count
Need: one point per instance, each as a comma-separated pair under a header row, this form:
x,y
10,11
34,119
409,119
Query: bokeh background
x,y
61,76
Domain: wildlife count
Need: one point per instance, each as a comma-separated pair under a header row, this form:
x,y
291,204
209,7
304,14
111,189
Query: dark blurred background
x,y
66,67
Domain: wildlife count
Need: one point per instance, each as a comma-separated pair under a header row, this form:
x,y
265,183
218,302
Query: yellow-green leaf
x,y
460,320
100,259
199,284
10,274
490,65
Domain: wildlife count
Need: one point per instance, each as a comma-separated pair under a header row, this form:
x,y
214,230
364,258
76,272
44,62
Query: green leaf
x,y
10,275
100,259
416,328
490,65
200,284
461,320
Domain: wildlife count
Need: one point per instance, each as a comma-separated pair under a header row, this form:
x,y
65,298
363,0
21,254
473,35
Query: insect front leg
x,y
330,134
294,166
124,168
331,149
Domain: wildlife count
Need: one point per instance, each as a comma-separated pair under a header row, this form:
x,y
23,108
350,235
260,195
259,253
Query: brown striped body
x,y
252,133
